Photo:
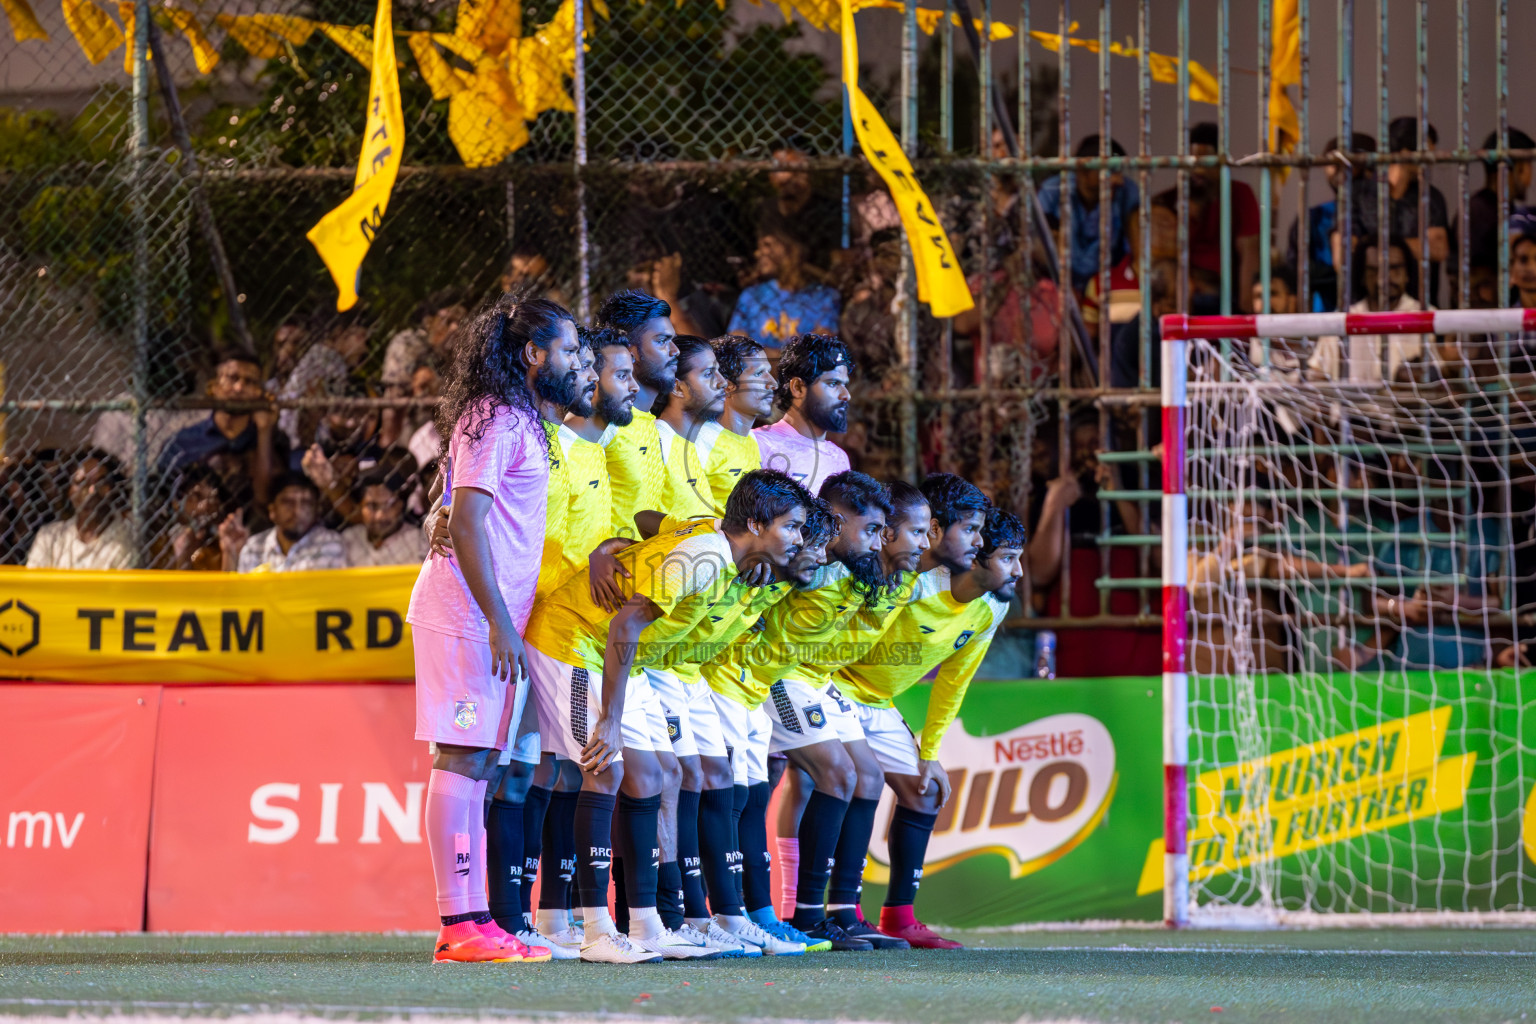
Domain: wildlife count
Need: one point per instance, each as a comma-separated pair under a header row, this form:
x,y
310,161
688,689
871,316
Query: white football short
x,y
567,697
745,733
672,696
888,736
803,714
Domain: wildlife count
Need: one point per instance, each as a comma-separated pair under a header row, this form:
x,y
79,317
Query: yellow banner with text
x,y
193,627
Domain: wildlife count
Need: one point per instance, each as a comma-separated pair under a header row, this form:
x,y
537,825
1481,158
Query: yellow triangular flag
x,y
93,28
941,283
24,24
342,236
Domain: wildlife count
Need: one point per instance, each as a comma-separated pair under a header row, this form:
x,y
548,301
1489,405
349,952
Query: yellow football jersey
x,y
686,490
636,472
809,635
590,515
931,630
684,572
557,508
737,612
727,456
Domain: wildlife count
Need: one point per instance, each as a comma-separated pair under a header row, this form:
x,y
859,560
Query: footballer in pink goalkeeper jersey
x,y
813,392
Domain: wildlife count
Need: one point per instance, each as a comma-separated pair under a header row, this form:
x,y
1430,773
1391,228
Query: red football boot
x,y
517,950
902,923
464,943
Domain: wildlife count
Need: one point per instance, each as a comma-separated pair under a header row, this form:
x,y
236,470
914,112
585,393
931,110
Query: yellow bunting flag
x,y
24,24
940,281
93,28
1284,70
342,236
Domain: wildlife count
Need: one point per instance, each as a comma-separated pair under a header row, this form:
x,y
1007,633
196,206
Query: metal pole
x,y
1063,291
1175,639
1223,149
1383,187
982,362
1106,236
583,242
906,285
138,184
1304,146
1266,71
1144,272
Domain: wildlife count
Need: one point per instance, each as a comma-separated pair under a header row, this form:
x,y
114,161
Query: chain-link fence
x,y
710,156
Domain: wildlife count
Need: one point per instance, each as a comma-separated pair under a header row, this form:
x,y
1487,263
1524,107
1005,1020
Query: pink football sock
x,y
450,800
789,873
478,897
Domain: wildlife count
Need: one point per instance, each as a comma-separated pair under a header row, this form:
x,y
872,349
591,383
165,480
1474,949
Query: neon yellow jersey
x,y
589,521
557,508
725,622
686,490
636,473
683,572
814,631
931,630
727,457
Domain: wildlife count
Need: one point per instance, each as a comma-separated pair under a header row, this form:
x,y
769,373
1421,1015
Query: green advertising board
x,y
1376,794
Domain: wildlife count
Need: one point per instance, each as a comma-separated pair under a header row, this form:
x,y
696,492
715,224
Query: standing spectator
x,y
289,342
437,321
192,542
1322,224
323,370
815,218
384,537
295,543
785,301
1483,207
1205,227
1124,230
1403,203
250,435
97,536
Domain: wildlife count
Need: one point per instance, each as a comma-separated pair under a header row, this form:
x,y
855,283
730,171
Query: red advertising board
x,y
74,802
289,808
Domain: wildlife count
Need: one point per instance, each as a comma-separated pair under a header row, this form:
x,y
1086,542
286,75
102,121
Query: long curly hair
x,y
490,372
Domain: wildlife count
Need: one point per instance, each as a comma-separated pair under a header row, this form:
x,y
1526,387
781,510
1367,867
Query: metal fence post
x,y
138,174
906,286
583,243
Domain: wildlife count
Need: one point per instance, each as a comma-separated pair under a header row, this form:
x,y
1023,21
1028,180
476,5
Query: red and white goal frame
x,y
1178,329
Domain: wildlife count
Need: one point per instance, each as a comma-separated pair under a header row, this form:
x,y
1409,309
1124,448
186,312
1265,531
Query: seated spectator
x,y
384,537
323,370
289,343
814,217
97,536
1483,207
529,275
437,321
347,444
32,493
236,378
1403,203
1205,225
785,301
1322,223
1287,356
1367,361
1125,200
192,540
699,312
295,543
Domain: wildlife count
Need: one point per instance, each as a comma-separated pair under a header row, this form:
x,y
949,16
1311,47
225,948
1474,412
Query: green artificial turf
x,y
1399,976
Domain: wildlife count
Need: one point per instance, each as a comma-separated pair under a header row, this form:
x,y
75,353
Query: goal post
x,y
1341,494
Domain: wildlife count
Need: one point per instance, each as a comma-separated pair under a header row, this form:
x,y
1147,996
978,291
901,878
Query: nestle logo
x,y
1029,748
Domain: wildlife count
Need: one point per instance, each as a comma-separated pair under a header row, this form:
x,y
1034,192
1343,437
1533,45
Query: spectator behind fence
x,y
201,502
815,218
384,537
97,536
1403,203
295,543
1205,222
528,275
323,370
1125,200
1322,223
1367,361
32,493
289,343
437,322
785,301
426,441
347,444
251,435
1483,207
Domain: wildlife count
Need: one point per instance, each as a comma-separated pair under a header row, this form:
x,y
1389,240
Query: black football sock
x,y
756,863
738,806
559,852
637,838
593,834
819,828
908,844
669,894
688,859
620,903
717,846
504,863
535,806
852,848
453,919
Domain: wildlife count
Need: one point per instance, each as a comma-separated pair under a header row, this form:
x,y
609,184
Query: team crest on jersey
x,y
674,727
466,713
963,637
815,716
